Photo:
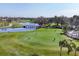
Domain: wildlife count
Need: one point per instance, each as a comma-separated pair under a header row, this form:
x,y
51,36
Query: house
x,y
73,34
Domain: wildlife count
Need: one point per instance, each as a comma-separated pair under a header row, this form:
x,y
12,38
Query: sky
x,y
39,9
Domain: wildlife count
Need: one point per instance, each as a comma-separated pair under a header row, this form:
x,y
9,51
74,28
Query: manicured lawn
x,y
40,42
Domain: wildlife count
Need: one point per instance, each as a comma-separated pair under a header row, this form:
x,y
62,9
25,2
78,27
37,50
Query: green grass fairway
x,y
40,42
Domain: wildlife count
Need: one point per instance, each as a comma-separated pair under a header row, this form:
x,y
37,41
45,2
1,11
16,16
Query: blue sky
x,y
38,9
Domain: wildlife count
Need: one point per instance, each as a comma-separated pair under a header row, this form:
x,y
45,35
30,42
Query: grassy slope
x,y
39,42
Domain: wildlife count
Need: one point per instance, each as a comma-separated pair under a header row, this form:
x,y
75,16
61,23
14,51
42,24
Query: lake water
x,y
16,29
20,29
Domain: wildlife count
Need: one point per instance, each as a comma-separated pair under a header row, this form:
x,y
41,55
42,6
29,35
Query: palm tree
x,y
61,45
73,45
69,49
56,20
77,49
64,43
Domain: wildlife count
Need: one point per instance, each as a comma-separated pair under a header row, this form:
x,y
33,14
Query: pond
x,y
28,27
16,29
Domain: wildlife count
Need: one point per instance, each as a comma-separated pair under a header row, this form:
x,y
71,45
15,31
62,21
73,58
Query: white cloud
x,y
67,12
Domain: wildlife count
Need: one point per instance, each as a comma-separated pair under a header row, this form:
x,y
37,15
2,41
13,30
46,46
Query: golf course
x,y
42,42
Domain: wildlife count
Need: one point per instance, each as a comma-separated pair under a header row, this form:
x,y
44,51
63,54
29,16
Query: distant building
x,y
30,25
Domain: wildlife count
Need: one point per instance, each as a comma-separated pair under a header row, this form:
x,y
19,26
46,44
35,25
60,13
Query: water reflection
x,y
26,27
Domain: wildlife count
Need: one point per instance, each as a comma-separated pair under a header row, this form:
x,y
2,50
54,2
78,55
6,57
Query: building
x,y
30,25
